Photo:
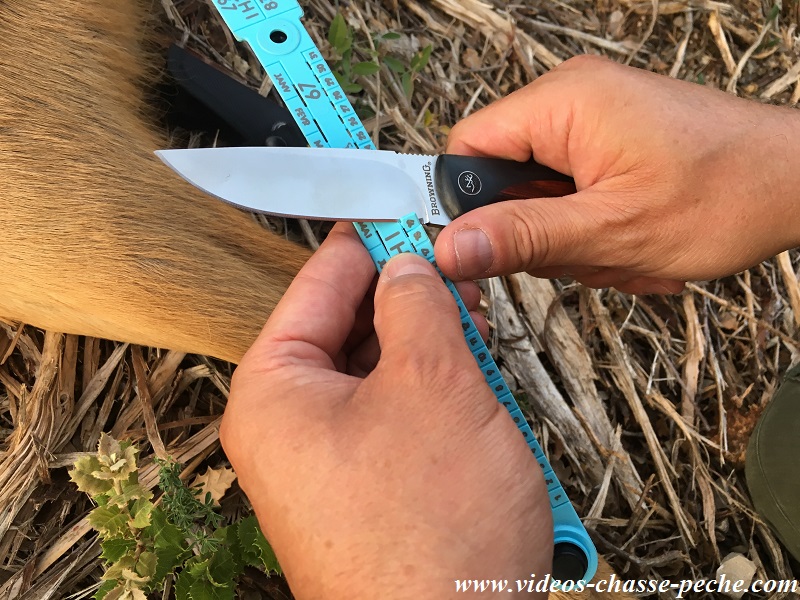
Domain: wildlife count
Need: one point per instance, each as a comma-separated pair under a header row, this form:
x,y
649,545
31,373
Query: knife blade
x,y
361,185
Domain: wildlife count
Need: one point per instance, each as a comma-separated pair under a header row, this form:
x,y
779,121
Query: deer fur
x,y
97,238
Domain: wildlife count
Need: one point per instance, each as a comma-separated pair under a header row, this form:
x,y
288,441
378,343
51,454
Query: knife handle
x,y
467,182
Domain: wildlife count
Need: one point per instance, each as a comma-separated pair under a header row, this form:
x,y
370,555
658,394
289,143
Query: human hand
x,y
676,181
378,461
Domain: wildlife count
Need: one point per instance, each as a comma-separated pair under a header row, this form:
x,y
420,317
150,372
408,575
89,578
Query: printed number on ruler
x,y
411,237
299,71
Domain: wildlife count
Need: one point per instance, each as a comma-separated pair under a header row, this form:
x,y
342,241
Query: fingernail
x,y
407,264
473,252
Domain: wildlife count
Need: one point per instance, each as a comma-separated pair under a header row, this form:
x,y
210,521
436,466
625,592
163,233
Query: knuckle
x,y
403,304
462,133
523,236
466,397
536,235
438,375
228,432
585,62
240,373
449,380
457,131
411,291
630,223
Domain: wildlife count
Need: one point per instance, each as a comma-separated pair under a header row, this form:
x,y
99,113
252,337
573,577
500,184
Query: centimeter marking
x,y
274,32
298,70
411,237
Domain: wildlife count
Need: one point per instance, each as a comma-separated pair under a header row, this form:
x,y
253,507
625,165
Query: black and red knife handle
x,y
464,183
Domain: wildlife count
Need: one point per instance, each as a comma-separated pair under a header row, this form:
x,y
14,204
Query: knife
x,y
361,185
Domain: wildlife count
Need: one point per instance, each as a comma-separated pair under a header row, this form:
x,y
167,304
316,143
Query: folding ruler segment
x,y
273,30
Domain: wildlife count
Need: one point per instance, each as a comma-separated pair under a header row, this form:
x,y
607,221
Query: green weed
x,y
183,536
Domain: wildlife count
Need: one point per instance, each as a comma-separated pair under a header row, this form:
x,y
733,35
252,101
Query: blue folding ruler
x,y
274,31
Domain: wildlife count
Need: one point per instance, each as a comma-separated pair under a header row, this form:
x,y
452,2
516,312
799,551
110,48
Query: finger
x,y
318,311
550,272
526,235
606,278
565,271
361,353
364,331
499,130
481,323
643,286
364,358
411,301
630,282
539,120
363,327
470,294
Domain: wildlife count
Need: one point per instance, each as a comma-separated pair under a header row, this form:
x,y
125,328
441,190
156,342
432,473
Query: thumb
x,y
416,315
523,235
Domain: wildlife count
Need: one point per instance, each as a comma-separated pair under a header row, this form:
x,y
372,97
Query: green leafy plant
x,y
408,74
183,536
347,69
340,36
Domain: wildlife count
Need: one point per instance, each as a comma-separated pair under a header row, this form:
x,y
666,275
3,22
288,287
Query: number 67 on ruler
x,y
297,68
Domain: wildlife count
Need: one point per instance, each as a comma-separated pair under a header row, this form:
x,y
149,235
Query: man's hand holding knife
x,y
334,422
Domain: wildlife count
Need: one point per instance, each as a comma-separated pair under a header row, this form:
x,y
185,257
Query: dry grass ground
x,y
674,384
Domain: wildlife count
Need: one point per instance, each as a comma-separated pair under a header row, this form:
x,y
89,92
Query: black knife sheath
x,y
256,120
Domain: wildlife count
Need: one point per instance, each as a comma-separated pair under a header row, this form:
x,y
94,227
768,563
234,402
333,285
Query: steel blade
x,y
314,183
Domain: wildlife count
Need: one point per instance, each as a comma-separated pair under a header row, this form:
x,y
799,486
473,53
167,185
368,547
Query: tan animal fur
x,y
95,237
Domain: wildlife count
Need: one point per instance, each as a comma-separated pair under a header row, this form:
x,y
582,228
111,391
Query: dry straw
x,y
644,404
